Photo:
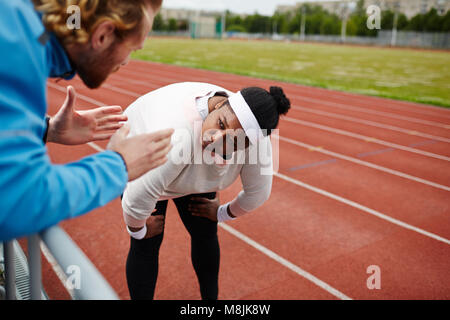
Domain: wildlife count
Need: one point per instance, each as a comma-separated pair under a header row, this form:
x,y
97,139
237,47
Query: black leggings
x,y
142,261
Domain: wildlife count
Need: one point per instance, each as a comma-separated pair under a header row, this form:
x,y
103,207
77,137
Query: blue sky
x,y
266,7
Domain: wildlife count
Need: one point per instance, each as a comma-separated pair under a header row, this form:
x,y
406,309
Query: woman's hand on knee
x,y
155,226
204,207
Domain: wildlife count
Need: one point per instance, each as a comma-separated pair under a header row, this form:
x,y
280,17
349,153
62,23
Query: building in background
x,y
201,24
409,7
186,14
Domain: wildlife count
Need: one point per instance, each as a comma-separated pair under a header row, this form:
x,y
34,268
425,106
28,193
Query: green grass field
x,y
413,75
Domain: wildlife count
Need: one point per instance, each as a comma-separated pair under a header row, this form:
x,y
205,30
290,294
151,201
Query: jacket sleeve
x,y
34,193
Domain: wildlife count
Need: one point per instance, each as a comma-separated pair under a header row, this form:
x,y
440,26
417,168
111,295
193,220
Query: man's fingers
x,y
160,145
109,110
69,102
158,163
110,126
106,134
162,153
124,131
111,119
160,135
102,136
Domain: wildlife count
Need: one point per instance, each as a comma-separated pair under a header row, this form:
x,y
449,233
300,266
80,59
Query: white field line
x,y
363,163
363,208
379,113
272,254
284,262
372,123
339,131
387,114
306,123
202,78
308,276
136,95
338,198
365,138
400,105
78,95
354,204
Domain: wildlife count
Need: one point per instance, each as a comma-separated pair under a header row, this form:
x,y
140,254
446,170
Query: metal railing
x,y
90,284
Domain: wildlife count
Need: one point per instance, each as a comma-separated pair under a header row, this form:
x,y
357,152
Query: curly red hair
x,y
126,15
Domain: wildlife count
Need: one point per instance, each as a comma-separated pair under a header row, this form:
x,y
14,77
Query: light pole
x,y
222,25
302,24
394,24
346,9
344,16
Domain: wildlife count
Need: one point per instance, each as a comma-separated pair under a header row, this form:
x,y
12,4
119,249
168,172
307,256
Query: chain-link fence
x,y
437,40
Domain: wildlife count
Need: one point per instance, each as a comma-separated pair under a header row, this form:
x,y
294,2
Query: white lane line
x,y
122,91
365,138
355,135
400,105
363,163
347,96
285,262
78,95
350,203
306,123
379,113
271,254
363,208
372,123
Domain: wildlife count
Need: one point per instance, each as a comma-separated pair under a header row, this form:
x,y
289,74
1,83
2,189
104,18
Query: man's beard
x,y
95,69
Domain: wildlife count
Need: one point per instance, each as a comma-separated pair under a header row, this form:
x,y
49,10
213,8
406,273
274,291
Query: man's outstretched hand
x,y
71,127
143,152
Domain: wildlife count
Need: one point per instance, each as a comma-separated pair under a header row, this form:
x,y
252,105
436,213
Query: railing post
x,y
10,270
34,264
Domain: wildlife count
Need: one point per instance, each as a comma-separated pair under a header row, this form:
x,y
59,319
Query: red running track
x,y
328,219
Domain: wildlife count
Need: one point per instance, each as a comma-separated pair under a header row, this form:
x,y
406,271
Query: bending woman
x,y
219,136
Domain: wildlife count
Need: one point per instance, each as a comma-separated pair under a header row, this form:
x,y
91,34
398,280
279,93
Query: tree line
x,y
318,21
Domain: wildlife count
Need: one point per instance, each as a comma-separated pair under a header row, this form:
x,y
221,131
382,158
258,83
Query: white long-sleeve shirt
x,y
184,106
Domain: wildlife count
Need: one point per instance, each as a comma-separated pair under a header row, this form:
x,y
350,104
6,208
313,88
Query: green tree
x,y
158,23
172,25
446,22
433,21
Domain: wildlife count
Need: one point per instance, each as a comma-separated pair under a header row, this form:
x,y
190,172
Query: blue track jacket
x,y
34,193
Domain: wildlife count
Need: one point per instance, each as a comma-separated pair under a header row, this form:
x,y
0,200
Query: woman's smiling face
x,y
222,132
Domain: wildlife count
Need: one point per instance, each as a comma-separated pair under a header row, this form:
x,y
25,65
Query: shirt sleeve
x,y
34,193
141,195
256,183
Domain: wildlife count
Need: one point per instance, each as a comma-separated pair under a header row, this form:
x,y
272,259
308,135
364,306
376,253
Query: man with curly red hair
x,y
36,43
